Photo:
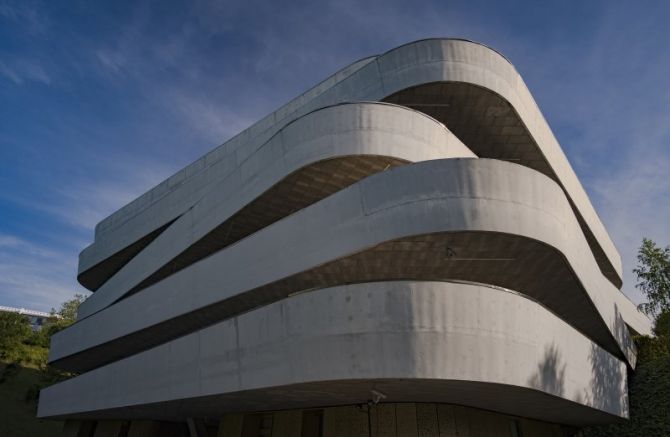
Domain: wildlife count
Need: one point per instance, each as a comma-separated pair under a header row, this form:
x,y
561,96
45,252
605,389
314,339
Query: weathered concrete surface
x,y
453,195
348,130
410,340
415,64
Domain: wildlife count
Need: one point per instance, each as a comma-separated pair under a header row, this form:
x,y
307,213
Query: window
x,y
257,425
312,423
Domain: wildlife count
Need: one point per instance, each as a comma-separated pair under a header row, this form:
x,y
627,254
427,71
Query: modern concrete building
x,y
403,250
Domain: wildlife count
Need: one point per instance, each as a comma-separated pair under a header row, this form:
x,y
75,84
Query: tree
x,y
14,329
61,319
649,383
648,393
662,325
68,309
653,277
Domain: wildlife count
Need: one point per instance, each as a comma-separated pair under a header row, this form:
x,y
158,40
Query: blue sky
x,y
99,101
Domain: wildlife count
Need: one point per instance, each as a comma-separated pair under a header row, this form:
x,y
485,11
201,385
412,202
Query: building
x,y
35,318
402,250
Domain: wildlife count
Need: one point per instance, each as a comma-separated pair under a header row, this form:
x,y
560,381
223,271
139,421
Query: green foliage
x,y
14,330
61,319
649,384
37,338
49,328
648,391
64,317
24,370
35,356
650,349
18,391
653,277
662,325
68,309
18,342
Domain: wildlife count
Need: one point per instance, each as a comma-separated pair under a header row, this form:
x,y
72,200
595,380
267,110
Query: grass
x,y
18,402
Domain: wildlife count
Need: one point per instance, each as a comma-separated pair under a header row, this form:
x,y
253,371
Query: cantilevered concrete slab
x,y
475,68
449,196
412,340
311,158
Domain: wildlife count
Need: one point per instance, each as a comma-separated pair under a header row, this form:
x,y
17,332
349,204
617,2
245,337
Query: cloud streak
x,y
22,71
33,275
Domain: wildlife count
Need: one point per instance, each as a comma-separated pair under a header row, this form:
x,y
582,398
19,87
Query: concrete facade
x,y
407,232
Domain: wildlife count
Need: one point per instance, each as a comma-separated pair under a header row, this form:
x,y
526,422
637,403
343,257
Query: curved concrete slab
x,y
173,196
388,135
475,196
412,65
447,342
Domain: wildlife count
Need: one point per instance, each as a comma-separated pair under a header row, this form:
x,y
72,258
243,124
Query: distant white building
x,y
36,318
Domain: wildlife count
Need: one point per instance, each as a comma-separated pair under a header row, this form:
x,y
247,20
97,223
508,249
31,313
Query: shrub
x,y
662,325
648,391
14,330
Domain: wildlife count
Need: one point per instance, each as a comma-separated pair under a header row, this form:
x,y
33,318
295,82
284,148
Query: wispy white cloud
x,y
634,198
209,119
168,79
35,276
9,73
27,14
84,201
606,94
85,205
113,61
22,70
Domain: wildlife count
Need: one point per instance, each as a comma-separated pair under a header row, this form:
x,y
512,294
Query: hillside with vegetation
x,y
24,370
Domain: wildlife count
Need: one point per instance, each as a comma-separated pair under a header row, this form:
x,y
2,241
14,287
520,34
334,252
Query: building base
x,y
382,420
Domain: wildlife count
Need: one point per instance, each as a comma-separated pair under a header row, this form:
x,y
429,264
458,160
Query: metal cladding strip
x,y
346,130
391,336
450,195
422,62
